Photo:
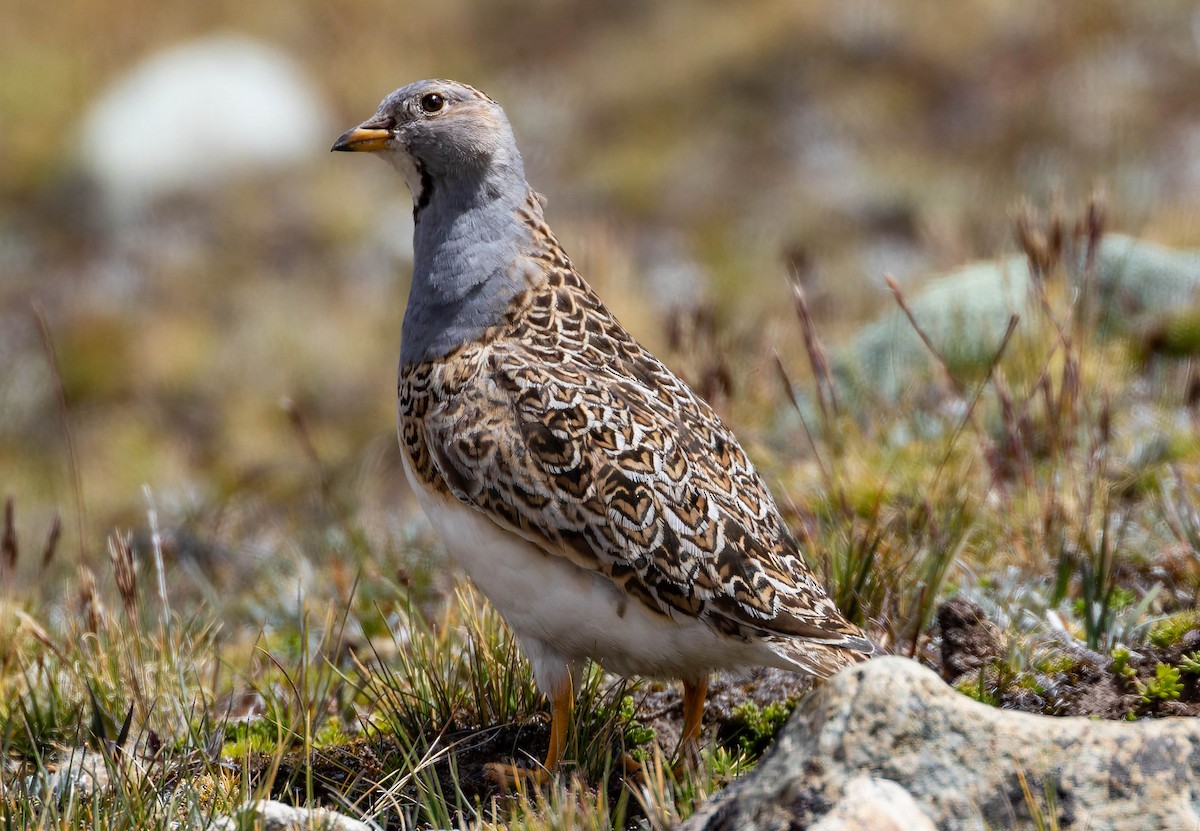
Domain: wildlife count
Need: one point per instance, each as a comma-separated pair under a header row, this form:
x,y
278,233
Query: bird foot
x,y
686,763
631,766
508,776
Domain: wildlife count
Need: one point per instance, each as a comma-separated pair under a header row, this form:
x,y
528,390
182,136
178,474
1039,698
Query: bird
x,y
601,506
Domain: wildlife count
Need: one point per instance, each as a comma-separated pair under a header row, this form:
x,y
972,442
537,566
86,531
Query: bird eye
x,y
432,102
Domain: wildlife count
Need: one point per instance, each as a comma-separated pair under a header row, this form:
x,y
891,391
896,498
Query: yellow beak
x,y
366,137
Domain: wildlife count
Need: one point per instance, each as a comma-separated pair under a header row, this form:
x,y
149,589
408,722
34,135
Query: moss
x,y
249,737
331,733
1169,631
1031,682
1056,664
974,687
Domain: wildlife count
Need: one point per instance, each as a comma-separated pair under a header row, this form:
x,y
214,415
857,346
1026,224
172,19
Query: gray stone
x,y
965,312
82,775
962,762
271,815
874,805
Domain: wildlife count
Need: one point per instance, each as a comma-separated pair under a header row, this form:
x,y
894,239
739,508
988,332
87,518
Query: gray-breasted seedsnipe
x,y
594,498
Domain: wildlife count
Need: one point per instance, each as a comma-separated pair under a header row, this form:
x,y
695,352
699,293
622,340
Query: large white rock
x,y
271,815
900,726
198,115
874,805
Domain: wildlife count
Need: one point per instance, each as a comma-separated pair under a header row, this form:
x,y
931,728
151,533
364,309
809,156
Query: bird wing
x,y
589,446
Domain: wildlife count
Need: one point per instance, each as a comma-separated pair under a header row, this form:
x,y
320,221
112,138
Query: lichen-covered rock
x,y
963,762
874,805
965,313
81,775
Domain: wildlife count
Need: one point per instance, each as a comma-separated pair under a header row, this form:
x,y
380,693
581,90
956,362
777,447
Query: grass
x,y
385,737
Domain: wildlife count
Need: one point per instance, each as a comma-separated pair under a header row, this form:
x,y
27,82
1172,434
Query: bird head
x,y
437,131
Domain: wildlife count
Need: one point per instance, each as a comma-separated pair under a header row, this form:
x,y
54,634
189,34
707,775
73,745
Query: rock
x,y
874,805
962,762
198,115
965,312
82,775
969,640
271,815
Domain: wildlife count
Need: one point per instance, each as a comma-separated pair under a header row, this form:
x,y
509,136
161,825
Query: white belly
x,y
568,613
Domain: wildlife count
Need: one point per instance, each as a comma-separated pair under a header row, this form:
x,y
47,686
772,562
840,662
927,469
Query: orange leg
x,y
562,707
694,693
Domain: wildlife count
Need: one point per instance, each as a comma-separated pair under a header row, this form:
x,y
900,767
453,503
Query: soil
x,y
1084,683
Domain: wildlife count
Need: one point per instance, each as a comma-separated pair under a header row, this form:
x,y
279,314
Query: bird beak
x,y
369,137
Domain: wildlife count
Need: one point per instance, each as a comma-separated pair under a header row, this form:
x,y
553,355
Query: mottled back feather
x,y
559,426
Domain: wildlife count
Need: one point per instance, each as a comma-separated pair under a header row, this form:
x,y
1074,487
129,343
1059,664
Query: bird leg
x,y
562,707
694,693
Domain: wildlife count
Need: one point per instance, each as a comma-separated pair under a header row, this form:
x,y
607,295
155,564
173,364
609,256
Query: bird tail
x,y
822,658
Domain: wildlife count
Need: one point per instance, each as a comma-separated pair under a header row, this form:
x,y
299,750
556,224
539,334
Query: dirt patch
x,y
1066,679
969,640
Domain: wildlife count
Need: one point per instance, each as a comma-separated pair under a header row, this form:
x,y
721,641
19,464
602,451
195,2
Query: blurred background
x,y
200,306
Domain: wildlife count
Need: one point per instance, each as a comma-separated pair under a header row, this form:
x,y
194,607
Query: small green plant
x,y
726,764
1122,669
1100,593
1120,599
462,671
637,735
1120,664
1165,686
605,728
976,688
757,726
1057,663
